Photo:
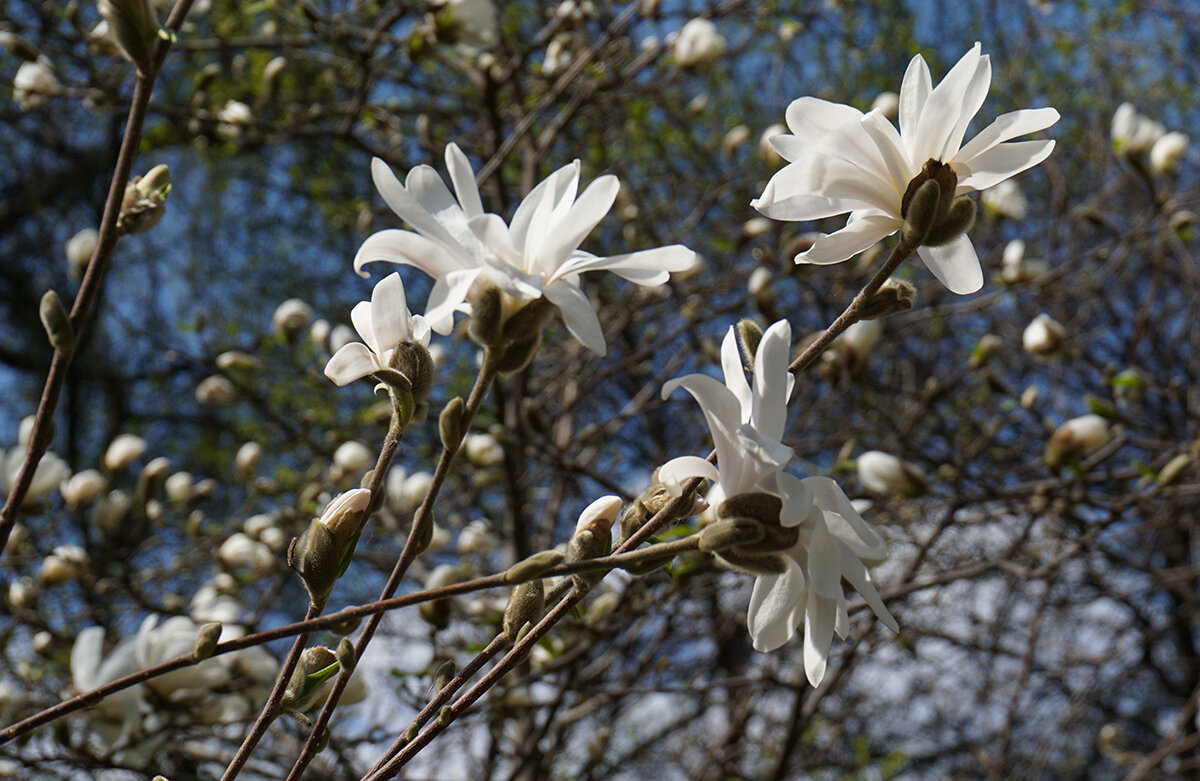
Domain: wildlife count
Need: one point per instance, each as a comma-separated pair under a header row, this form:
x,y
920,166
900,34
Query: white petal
x,y
810,118
776,604
972,100
735,374
644,267
770,380
550,188
447,297
856,573
352,362
390,319
820,614
85,658
914,91
578,314
581,219
721,410
859,233
892,154
428,188
1001,162
678,471
1005,127
496,236
797,499
405,203
861,538
819,185
944,109
824,566
955,265
360,316
408,249
842,625
463,178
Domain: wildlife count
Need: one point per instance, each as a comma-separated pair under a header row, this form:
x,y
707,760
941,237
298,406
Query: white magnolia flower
x,y
33,84
1133,132
1043,336
176,636
832,543
1077,437
699,41
845,161
1167,152
117,718
534,255
383,324
291,316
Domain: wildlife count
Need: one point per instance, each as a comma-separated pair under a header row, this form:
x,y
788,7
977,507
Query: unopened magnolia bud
x,y
445,673
884,473
726,534
753,564
346,625
133,24
450,423
985,349
207,638
414,361
485,316
123,451
236,360
527,605
57,323
894,296
345,655
958,220
310,680
647,563
247,457
527,321
762,507
1077,437
583,546
216,391
1043,336
921,212
145,200
291,317
316,557
437,612
533,566
748,336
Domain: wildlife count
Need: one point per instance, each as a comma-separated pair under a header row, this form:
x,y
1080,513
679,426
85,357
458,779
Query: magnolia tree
x,y
475,531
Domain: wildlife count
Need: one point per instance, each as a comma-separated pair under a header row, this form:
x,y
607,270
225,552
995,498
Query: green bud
x,y
650,563
985,349
485,316
894,296
958,221
585,545
921,212
445,673
133,25
144,202
517,355
527,321
450,423
445,715
57,323
310,680
526,606
206,640
346,655
533,566
346,625
748,337
316,558
727,534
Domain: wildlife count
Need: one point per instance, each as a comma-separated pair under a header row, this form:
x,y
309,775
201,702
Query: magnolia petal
x,y
360,317
548,188
972,101
828,495
914,92
721,411
351,362
448,296
678,471
1006,127
944,109
842,625
85,658
769,412
390,319
406,204
809,118
407,249
647,267
578,314
1001,162
498,237
892,152
735,374
824,566
854,571
463,178
955,265
820,614
776,606
797,499
581,219
859,234
844,185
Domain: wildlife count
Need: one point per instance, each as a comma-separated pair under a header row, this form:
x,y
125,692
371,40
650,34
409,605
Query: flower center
x,y
939,172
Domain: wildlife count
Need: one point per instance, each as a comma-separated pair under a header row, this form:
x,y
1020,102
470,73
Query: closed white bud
x,y
291,317
1077,437
699,41
353,457
179,487
598,517
343,515
79,251
1043,336
133,25
483,450
236,360
255,525
233,119
43,643
319,334
83,487
884,473
412,491
1167,152
108,513
33,84
340,336
734,138
123,451
248,456
216,391
759,282
23,593
888,104
156,468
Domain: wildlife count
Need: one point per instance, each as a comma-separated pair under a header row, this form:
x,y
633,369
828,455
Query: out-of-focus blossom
x,y
1016,267
233,119
1077,437
123,451
215,390
1167,152
472,25
248,456
79,251
241,552
34,83
1133,132
1043,336
353,456
1005,200
888,104
291,317
699,41
884,473
483,450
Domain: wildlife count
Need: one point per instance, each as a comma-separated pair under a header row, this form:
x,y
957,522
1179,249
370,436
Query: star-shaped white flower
x,y
842,160
383,324
534,255
833,542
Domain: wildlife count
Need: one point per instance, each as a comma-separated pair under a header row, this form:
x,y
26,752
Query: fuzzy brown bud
x,y
450,423
486,316
895,295
533,566
527,605
57,323
748,337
